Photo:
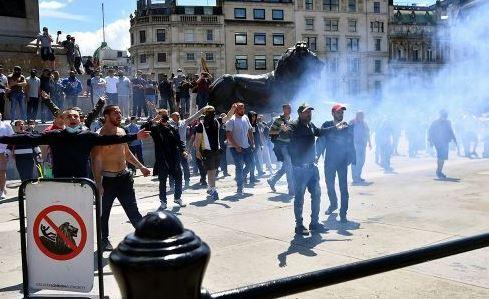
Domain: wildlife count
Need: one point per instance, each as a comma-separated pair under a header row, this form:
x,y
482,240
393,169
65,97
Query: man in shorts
x,y
47,53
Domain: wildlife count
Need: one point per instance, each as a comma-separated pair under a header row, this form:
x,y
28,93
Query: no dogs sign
x,y
60,236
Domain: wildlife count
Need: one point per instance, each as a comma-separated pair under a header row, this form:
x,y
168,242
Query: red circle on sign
x,y
83,231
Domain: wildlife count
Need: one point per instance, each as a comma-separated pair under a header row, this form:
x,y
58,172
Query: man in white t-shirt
x,y
241,142
3,89
5,130
111,88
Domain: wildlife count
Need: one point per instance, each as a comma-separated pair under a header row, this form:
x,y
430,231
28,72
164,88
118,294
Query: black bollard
x,y
160,260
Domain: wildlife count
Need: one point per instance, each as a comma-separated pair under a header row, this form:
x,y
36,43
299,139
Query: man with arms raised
x,y
71,146
111,174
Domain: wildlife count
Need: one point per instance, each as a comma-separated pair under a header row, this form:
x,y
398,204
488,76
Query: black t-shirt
x,y
45,86
212,131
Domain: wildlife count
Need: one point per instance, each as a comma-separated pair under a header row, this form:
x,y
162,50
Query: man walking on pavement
x,y
339,152
241,142
281,140
439,135
361,137
302,149
169,149
113,179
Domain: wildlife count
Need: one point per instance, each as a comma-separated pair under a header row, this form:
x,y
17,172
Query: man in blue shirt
x,y
72,87
138,104
135,146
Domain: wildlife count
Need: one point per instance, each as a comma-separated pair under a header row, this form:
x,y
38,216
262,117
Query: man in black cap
x,y
340,152
302,149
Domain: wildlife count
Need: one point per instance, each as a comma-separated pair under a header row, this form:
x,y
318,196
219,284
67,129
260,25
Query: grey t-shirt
x,y
123,86
239,127
34,85
45,40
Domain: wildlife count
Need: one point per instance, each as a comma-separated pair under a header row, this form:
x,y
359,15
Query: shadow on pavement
x,y
303,245
448,179
236,197
209,201
17,287
341,228
281,197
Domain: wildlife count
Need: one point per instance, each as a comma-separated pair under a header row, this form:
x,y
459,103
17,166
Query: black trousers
x,y
331,168
175,172
2,103
136,150
78,62
32,106
122,188
224,161
25,166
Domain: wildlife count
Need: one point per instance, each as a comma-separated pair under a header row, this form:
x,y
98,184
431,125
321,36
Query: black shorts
x,y
47,54
211,159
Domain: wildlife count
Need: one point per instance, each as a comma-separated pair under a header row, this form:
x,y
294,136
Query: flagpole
x,y
103,22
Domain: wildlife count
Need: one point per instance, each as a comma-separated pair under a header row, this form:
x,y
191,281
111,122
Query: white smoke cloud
x,y
116,36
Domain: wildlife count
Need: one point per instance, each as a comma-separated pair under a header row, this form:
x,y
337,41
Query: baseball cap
x,y
304,107
337,107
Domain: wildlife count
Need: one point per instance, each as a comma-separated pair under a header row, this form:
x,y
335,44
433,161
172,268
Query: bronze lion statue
x,y
268,91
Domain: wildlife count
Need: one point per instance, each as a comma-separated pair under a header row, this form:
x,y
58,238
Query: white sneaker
x,y
179,202
3,195
162,206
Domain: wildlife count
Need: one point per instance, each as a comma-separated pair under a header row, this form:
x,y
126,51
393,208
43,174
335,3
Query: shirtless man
x,y
113,178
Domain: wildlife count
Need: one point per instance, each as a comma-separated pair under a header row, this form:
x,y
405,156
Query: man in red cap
x,y
339,152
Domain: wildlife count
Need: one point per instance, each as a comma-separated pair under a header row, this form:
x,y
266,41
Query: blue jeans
x,y
184,105
72,100
285,169
330,170
239,160
17,99
307,177
250,168
113,99
356,170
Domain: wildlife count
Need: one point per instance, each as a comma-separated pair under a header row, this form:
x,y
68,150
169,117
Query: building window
x,y
190,56
240,38
209,35
332,64
378,43
354,65
142,58
260,39
332,44
160,35
189,36
352,25
209,56
276,58
240,13
331,24
260,62
161,57
142,37
119,53
376,7
311,43
352,5
429,55
331,5
132,38
208,11
309,4
416,55
241,62
353,87
189,10
376,26
309,24
377,88
258,14
278,39
277,14
378,66
352,44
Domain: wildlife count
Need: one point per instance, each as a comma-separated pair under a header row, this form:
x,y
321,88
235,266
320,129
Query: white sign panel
x,y
60,236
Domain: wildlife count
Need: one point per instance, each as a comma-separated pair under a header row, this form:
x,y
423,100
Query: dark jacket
x,y
336,145
302,147
70,150
168,145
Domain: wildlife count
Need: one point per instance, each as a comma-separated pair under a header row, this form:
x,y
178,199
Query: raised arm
x,y
230,113
29,139
46,98
194,116
92,115
97,139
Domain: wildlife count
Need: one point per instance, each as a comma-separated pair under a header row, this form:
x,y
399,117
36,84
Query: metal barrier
x,y
163,259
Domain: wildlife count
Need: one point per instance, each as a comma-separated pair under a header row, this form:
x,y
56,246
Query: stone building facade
x,y
257,33
165,37
351,36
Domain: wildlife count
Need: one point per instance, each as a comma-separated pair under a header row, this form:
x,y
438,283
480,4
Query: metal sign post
x,y
56,235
